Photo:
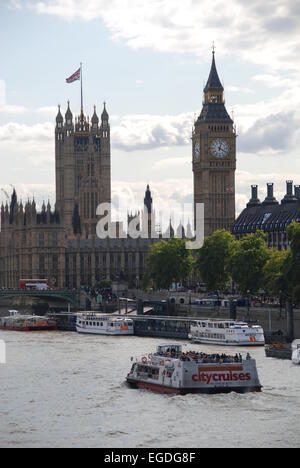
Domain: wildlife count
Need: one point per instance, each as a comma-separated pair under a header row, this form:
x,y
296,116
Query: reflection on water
x,y
64,389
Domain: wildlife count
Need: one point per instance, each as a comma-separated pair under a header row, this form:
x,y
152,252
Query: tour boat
x,y
296,352
26,323
96,324
170,371
226,332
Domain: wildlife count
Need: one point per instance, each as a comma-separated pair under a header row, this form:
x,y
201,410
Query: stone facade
x,y
60,243
214,158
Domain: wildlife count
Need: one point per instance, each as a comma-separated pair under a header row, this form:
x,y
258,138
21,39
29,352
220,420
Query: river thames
x,y
68,390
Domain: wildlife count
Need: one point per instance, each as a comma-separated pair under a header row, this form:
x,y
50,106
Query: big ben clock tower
x,y
214,158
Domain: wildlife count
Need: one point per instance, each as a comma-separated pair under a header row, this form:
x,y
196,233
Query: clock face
x,y
220,148
197,150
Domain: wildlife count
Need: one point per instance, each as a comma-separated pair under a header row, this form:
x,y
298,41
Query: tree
x,y
274,277
293,267
168,262
213,260
104,284
248,261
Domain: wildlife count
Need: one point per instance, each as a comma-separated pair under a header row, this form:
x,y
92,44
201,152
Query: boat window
x,y
210,325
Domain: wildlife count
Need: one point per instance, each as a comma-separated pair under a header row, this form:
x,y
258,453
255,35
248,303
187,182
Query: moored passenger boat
x,y
170,371
26,323
96,324
226,332
296,352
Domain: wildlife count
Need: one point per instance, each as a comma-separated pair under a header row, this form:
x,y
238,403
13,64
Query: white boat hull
x,y
93,324
227,343
296,358
91,331
226,333
296,353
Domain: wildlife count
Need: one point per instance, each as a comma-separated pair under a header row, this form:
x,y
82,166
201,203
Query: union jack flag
x,y
75,77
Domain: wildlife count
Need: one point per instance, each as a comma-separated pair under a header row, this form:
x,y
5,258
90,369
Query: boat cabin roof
x,y
169,348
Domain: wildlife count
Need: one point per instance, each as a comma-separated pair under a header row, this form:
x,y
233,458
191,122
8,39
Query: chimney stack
x,y
290,197
254,201
270,200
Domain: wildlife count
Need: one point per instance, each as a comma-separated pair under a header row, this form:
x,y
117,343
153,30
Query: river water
x,y
67,390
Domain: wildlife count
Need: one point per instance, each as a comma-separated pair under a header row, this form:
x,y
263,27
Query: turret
x,y
69,117
148,201
59,119
95,120
13,207
105,117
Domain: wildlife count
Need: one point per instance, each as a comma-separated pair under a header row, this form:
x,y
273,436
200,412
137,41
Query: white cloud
x,y
237,89
273,81
14,132
170,163
264,33
136,132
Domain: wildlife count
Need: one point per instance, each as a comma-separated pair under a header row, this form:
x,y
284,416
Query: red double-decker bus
x,y
34,284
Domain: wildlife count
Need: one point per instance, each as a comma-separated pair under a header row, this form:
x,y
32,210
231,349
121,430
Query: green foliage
x,y
104,284
274,273
214,258
293,268
168,262
248,261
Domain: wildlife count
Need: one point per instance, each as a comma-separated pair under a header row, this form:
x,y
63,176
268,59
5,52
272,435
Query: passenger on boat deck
x,y
202,357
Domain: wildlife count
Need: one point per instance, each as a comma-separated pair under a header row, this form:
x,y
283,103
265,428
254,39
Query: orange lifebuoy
x,y
253,339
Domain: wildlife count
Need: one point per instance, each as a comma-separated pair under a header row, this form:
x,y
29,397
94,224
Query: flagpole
x,y
81,88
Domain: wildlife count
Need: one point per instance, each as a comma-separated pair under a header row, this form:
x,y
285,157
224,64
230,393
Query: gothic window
x,y
41,240
55,264
54,239
74,265
81,265
41,265
97,144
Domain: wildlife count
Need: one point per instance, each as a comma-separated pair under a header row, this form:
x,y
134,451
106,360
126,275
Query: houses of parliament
x,y
61,244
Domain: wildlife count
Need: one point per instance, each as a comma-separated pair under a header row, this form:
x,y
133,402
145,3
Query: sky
x,y
149,60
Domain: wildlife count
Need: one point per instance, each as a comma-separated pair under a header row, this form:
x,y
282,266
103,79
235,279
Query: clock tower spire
x,y
214,157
